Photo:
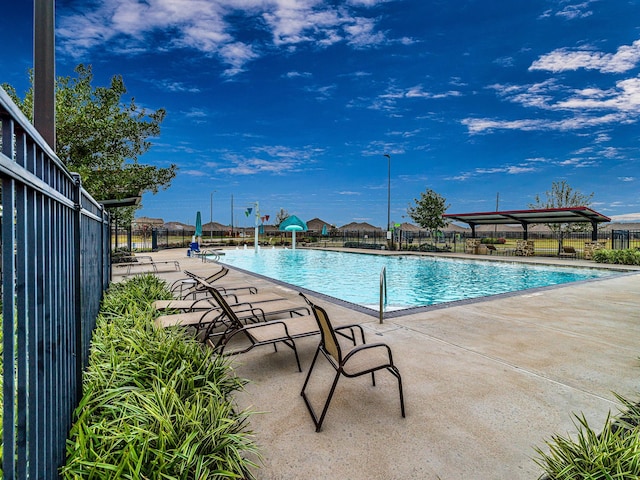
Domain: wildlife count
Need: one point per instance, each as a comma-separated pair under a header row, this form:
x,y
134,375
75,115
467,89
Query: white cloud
x,y
587,107
627,179
627,217
134,26
481,125
564,59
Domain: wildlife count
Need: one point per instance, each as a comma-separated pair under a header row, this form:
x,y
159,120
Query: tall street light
x,y
211,215
388,194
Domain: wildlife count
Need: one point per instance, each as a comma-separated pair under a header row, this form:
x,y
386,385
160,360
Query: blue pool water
x,y
412,281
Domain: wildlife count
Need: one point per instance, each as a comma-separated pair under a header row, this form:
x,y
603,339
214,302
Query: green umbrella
x,y
198,225
293,224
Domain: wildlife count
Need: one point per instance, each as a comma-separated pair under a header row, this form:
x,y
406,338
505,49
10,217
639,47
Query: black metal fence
x,y
55,267
546,242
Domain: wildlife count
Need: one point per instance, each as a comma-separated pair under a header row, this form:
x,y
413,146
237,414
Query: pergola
x,y
527,217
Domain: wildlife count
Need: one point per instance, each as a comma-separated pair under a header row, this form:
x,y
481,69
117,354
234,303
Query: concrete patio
x,y
485,383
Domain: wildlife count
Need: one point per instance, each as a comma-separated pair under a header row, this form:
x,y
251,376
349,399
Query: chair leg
x,y
292,345
318,421
326,405
396,373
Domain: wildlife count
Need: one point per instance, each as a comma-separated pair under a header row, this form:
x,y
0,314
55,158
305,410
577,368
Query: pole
x,y
211,215
232,234
44,71
389,193
257,225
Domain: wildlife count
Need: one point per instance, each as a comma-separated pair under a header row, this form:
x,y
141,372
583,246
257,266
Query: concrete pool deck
x,y
485,383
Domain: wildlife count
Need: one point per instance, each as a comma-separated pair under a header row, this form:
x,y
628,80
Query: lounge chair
x,y
191,287
348,360
284,330
216,315
491,249
568,252
207,303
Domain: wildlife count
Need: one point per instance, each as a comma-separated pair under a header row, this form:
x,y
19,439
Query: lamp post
x,y
211,215
388,195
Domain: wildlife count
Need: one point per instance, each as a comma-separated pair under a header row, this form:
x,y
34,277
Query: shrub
x,y
157,404
614,453
622,257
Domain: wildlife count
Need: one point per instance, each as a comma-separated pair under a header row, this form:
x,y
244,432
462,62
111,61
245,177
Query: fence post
x,y
77,276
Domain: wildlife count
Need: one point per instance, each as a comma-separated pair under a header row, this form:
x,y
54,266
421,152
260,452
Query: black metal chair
x,y
348,360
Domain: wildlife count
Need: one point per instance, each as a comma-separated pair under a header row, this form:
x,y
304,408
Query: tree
x,y
428,211
101,137
281,216
562,195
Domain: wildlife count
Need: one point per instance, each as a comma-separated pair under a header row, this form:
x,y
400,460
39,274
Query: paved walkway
x,y
485,383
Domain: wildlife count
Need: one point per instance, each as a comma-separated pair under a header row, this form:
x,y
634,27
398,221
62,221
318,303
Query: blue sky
x,y
293,103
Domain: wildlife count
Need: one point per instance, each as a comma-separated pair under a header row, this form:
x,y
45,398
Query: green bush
x,y
612,454
157,404
621,257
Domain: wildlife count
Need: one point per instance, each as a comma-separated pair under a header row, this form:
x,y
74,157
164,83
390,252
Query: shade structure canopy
x,y
527,217
293,224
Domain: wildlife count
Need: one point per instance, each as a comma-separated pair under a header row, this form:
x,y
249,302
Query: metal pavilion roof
x,y
525,217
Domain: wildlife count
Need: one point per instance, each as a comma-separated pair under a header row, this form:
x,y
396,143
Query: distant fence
x,y
55,267
160,238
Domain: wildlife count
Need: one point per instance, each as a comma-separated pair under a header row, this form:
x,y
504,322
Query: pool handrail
x,y
383,292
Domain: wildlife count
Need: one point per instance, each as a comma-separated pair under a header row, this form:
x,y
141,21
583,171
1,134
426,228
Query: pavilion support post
x,y
594,231
525,236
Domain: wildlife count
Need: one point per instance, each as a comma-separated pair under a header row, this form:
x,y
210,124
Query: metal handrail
x,y
383,291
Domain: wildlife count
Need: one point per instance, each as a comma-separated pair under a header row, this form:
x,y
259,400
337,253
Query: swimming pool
x,y
412,281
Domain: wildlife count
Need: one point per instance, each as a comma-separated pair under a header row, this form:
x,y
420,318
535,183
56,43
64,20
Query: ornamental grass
x,y
612,454
156,404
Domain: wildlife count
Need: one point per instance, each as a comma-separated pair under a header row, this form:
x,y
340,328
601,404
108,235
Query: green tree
x,y
101,137
562,195
428,211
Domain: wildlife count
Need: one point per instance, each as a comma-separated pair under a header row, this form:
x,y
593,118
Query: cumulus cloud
x,y
626,58
269,159
135,26
586,107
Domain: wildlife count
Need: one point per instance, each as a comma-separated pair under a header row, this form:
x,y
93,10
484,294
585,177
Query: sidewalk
x,y
485,383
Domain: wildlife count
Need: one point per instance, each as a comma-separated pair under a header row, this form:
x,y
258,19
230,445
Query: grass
x,y
156,404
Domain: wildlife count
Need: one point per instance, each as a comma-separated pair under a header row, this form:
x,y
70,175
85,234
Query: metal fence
x,y
546,241
55,267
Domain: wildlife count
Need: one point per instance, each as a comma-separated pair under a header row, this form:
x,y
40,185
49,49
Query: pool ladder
x,y
383,291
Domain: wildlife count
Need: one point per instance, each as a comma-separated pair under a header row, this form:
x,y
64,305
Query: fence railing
x,y
55,267
546,241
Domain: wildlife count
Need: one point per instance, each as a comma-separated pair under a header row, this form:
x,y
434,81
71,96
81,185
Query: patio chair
x,y
348,360
491,249
568,252
283,330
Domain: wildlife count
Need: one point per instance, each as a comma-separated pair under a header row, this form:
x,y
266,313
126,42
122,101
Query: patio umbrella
x,y
324,230
198,233
293,224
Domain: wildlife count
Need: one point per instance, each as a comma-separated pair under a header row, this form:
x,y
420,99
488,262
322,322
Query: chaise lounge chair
x,y
348,360
190,287
283,330
215,315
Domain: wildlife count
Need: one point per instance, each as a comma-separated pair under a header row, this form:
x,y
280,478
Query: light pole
x,y
211,215
388,195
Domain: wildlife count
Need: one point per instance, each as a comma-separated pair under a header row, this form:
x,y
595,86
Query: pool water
x,y
412,281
